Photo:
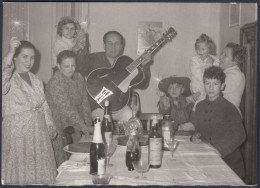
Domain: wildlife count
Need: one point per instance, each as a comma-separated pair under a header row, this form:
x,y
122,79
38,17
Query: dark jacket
x,y
220,125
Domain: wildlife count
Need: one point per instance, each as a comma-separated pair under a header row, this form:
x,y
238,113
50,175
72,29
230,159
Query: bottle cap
x,y
106,103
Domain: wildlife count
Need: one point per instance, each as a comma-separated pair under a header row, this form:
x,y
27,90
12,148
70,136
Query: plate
x,y
79,148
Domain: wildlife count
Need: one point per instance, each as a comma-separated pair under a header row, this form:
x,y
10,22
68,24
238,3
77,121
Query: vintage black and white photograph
x,y
129,93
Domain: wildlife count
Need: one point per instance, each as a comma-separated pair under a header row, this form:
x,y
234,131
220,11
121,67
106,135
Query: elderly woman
x,y
67,96
27,127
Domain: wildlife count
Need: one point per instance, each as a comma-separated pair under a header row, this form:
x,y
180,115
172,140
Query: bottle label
x,y
101,166
108,117
166,136
155,151
108,137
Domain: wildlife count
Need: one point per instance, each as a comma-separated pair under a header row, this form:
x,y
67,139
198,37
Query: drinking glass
x,y
142,165
110,150
172,144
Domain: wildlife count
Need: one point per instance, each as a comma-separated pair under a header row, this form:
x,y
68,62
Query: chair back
x,y
147,118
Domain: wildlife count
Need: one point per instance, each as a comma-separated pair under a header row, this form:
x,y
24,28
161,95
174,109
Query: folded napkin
x,y
73,166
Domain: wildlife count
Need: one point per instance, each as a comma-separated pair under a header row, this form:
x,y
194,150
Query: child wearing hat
x,y
218,122
176,101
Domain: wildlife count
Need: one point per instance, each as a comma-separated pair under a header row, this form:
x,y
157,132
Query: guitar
x,y
114,83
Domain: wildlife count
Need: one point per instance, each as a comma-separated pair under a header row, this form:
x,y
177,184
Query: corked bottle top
x,y
97,137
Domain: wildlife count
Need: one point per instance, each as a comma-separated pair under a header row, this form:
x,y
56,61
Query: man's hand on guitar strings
x,y
147,59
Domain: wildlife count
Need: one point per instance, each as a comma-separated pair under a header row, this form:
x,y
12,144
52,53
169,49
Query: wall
x,y
232,34
188,19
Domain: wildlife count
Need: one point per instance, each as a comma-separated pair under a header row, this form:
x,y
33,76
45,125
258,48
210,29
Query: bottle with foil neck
x,y
107,125
97,151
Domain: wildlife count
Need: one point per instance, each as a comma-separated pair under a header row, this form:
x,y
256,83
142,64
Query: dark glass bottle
x,y
155,146
167,131
132,151
107,125
97,151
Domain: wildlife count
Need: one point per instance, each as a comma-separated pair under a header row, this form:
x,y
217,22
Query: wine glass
x,y
110,150
172,144
142,165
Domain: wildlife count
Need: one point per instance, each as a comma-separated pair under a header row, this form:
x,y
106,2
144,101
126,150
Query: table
x,y
196,164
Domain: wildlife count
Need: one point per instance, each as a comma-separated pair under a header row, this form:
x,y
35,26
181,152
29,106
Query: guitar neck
x,y
151,50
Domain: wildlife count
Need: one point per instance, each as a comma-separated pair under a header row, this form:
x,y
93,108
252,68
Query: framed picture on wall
x,y
234,14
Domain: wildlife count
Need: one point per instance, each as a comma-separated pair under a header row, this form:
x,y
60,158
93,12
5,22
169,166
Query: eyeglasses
x,y
111,44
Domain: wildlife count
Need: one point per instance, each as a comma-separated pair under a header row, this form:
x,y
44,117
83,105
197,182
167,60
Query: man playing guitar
x,y
114,44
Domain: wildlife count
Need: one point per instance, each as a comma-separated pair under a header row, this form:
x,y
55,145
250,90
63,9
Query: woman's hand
x,y
14,43
53,134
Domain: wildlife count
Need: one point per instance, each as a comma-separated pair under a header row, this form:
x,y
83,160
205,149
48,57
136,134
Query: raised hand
x,y
14,44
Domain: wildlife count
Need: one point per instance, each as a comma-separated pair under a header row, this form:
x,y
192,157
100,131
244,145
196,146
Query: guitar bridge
x,y
103,94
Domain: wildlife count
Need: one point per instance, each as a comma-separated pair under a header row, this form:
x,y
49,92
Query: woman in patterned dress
x,y
67,96
27,127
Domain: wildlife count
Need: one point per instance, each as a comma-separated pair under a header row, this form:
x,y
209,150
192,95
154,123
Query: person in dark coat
x,y
218,122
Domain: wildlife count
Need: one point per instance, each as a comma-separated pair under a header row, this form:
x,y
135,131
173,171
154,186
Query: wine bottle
x,y
107,125
167,131
132,151
155,146
97,151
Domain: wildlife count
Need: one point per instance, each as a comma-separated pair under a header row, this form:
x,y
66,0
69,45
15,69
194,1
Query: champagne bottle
x,y
107,125
155,146
97,151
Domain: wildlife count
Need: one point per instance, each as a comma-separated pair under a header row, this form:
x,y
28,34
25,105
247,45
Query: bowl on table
x,y
103,179
79,151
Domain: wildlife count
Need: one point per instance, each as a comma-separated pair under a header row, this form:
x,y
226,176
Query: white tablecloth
x,y
196,164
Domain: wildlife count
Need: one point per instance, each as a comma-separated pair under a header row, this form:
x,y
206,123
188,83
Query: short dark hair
x,y
215,73
24,44
238,53
64,22
65,55
208,41
113,32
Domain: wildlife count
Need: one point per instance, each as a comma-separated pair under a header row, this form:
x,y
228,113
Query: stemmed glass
x,y
142,165
173,144
110,150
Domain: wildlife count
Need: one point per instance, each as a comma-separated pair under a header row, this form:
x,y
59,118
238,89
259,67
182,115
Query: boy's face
x,y
213,88
175,90
226,59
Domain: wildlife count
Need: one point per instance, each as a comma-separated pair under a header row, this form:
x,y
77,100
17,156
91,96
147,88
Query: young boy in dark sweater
x,y
218,122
